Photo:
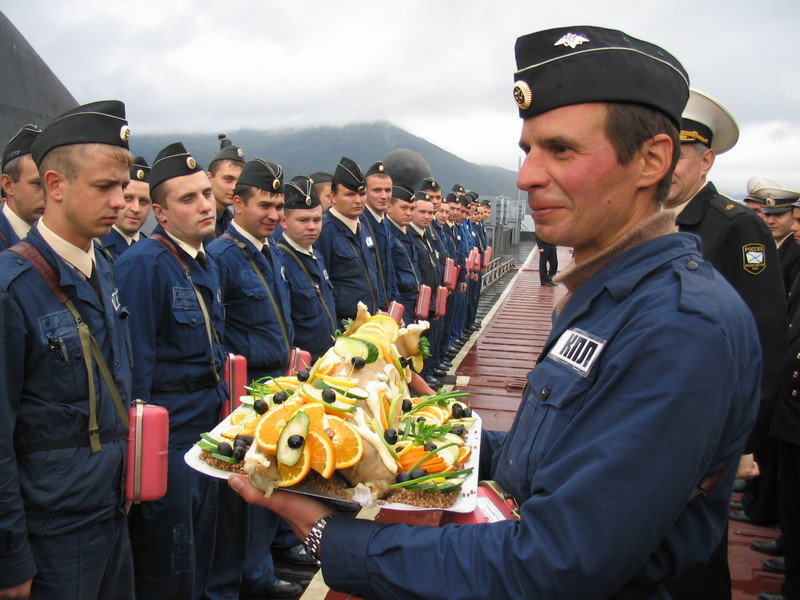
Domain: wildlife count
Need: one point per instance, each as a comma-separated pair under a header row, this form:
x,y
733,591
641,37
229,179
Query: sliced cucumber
x,y
288,452
207,446
447,486
354,347
357,392
213,438
223,458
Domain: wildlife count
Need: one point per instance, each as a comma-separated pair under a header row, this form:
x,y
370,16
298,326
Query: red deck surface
x,y
496,365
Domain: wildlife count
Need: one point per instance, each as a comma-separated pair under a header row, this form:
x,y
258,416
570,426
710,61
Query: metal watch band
x,y
314,538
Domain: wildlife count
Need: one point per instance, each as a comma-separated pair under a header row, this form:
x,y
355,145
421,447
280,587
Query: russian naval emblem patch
x,y
754,258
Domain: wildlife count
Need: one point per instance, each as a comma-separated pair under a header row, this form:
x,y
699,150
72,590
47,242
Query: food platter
x,y
465,502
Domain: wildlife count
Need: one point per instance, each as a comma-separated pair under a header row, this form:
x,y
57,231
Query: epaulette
x,y
11,267
727,206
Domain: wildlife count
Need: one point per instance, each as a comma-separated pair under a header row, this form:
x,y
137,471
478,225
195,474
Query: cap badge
x,y
571,40
276,184
125,133
140,174
770,202
239,152
381,168
361,189
308,200
191,162
523,95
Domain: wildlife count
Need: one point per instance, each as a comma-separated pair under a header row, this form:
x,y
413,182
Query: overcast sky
x,y
441,69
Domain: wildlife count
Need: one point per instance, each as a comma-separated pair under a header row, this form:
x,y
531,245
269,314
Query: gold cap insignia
x,y
276,184
381,168
191,162
140,174
522,94
571,40
769,202
729,207
308,200
125,133
239,152
361,189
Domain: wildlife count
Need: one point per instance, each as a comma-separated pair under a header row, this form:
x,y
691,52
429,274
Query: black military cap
x,y
300,193
429,183
706,121
264,175
573,65
173,161
486,203
227,151
101,122
457,188
140,171
464,201
321,177
451,198
402,192
376,169
20,144
349,174
421,196
473,197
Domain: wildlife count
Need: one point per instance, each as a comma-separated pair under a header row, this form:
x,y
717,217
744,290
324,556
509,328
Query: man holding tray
x,y
625,446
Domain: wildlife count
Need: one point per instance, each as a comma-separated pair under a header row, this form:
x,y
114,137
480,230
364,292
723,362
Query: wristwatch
x,y
314,538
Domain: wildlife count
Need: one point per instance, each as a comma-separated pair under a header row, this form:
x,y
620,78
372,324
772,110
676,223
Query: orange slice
x,y
387,323
316,412
323,453
463,454
296,473
272,423
347,442
238,417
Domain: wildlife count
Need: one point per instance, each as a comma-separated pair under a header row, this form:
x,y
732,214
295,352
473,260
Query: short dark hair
x,y
217,164
158,194
245,192
13,168
628,126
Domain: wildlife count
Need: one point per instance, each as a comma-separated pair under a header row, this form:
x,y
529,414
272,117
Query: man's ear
x,y
656,159
54,184
159,213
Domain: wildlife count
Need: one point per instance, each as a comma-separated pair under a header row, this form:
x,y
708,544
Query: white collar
x,y
352,224
188,248
259,244
20,227
128,239
79,259
308,251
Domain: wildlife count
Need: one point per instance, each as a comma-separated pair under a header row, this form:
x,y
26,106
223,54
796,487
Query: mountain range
x,y
304,151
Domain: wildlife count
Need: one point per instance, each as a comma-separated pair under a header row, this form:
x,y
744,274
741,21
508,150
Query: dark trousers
x,y
760,501
709,581
88,563
789,497
548,262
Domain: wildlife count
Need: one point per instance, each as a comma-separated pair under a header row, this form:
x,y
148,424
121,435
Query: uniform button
x,y
692,265
798,356
20,261
194,320
794,393
795,374
544,394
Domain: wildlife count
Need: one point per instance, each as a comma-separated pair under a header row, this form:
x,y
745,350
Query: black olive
x,y
458,411
328,395
303,375
457,430
420,419
239,442
295,441
225,449
239,452
402,477
358,362
403,361
417,473
390,435
407,405
247,440
280,397
467,412
429,447
260,406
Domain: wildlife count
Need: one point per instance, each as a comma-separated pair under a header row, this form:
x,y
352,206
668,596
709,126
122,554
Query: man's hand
x,y
301,512
462,287
748,468
19,592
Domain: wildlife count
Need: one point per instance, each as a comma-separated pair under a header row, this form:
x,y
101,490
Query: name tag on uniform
x,y
115,299
370,243
578,350
325,273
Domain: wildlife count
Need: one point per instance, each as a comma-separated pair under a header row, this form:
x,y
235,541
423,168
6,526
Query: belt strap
x,y
89,346
243,247
210,331
76,442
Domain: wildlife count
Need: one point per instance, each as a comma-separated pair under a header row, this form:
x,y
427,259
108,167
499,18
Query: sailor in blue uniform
x,y
597,425
64,440
24,199
126,230
378,184
347,248
462,236
313,306
173,292
254,290
403,251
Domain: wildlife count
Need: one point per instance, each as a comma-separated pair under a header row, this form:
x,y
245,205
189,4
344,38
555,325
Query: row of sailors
x,y
166,309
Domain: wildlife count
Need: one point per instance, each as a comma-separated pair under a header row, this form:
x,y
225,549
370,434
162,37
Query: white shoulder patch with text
x,y
577,349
